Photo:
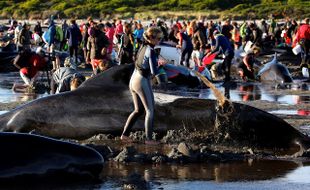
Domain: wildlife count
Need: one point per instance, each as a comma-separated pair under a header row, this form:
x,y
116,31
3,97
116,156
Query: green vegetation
x,y
146,9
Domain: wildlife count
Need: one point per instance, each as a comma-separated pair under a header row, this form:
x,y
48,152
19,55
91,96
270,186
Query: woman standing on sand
x,y
140,85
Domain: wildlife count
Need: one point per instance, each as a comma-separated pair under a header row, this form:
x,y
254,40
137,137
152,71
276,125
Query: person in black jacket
x,y
74,37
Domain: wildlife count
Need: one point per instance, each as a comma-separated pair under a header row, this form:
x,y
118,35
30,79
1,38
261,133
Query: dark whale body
x,y
103,103
28,156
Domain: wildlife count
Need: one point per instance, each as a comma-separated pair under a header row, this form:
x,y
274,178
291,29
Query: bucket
x,y
248,47
297,49
305,72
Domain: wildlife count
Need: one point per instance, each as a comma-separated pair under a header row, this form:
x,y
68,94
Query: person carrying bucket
x,y
223,45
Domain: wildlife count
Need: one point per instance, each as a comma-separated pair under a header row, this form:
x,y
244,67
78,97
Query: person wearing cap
x,y
66,79
222,45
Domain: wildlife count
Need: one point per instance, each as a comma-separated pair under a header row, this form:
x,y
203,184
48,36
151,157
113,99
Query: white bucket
x,y
248,47
305,72
297,49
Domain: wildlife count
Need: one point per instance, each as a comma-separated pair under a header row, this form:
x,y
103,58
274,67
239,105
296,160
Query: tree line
x,y
128,8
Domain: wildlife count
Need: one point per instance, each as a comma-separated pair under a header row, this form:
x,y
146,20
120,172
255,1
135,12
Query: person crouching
x,y
32,63
246,70
66,79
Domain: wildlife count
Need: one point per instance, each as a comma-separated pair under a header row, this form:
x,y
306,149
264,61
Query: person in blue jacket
x,y
52,34
222,45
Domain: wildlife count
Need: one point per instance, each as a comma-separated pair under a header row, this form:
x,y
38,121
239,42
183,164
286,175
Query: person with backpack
x,y
138,35
64,28
24,38
52,34
126,47
243,32
74,37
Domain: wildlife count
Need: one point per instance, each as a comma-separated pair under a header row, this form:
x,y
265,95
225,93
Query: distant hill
x,y
146,9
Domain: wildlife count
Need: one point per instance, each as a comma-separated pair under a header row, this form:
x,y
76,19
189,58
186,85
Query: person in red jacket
x,y
29,72
302,37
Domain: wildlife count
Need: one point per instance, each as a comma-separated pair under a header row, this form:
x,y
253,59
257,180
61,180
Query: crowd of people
x,y
100,42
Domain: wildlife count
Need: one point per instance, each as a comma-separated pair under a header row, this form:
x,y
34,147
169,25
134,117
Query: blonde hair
x,y
104,65
256,50
152,33
76,82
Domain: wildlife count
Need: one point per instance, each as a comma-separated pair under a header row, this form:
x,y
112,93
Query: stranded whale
x,y
28,156
103,103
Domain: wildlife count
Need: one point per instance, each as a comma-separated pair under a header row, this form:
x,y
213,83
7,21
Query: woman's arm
x,y
153,62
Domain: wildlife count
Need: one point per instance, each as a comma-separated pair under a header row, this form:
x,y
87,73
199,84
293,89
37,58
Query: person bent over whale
x,y
246,67
223,45
140,85
66,79
30,65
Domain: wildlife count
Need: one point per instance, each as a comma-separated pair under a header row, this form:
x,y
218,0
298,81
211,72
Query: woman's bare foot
x,y
126,139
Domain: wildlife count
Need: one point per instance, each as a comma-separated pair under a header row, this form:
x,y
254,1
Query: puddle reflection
x,y
244,175
248,92
224,172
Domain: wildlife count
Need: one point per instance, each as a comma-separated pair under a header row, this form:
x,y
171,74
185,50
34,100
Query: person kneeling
x,y
246,70
66,79
29,64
